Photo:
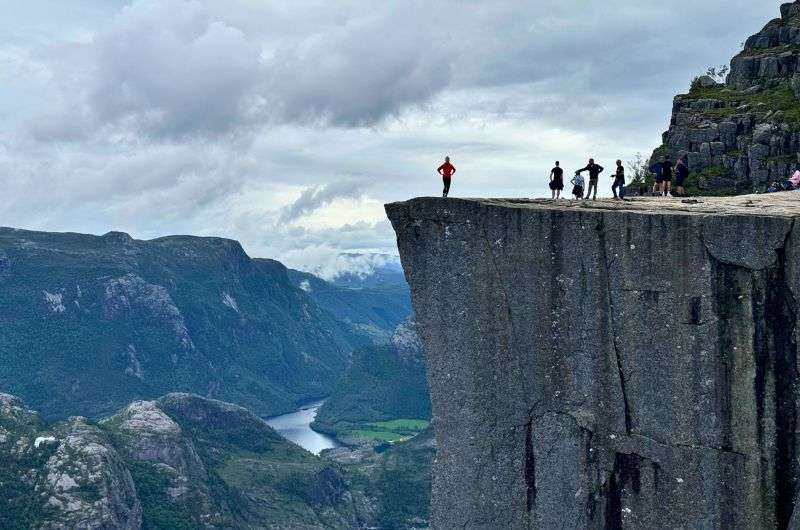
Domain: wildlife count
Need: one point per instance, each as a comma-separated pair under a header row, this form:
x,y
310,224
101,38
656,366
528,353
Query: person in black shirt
x,y
594,173
681,172
619,181
666,175
557,180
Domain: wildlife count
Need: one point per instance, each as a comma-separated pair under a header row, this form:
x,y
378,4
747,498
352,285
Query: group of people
x,y
578,182
664,171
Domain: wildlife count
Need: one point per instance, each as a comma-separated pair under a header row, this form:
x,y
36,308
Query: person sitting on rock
x,y
446,170
666,175
619,181
557,180
681,173
594,173
577,186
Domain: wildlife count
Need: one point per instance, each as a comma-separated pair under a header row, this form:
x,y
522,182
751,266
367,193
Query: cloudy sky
x,y
286,124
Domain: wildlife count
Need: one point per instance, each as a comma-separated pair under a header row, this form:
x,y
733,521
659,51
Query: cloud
x,y
318,196
286,124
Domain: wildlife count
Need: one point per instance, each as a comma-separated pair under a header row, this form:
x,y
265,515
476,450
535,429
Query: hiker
x,y
619,181
681,172
557,180
577,186
594,173
446,170
655,169
666,175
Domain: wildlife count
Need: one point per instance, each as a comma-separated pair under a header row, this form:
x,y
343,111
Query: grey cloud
x,y
318,196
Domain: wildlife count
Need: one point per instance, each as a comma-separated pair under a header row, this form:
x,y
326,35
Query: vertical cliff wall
x,y
625,365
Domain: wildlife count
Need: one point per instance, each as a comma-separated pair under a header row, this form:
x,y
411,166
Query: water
x,y
296,427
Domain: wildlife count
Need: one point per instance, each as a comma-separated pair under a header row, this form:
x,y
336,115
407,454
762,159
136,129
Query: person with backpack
x,y
557,180
594,174
619,181
446,170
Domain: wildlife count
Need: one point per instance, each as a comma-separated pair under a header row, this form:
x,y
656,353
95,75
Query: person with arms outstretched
x,y
557,180
594,174
446,170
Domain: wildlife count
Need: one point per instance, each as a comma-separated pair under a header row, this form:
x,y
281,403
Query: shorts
x,y
667,178
557,184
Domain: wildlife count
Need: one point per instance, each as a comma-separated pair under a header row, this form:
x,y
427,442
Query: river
x,y
295,426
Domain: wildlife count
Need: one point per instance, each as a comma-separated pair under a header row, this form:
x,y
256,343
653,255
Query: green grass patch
x,y
386,431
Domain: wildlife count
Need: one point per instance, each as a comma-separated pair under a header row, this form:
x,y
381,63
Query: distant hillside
x,y
373,303
741,135
91,323
384,383
183,462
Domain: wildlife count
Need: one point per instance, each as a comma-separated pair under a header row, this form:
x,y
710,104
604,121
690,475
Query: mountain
x,y
186,462
383,393
91,323
740,136
371,304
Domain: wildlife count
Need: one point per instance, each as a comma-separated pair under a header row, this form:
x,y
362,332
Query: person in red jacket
x,y
446,170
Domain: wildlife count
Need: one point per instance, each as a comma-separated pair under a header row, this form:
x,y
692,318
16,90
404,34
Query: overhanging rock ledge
x,y
609,364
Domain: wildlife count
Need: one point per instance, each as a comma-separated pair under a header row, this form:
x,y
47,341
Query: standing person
x,y
577,186
594,173
681,172
655,169
666,175
446,170
557,180
619,181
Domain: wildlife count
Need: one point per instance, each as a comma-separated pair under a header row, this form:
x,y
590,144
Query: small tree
x,y
638,170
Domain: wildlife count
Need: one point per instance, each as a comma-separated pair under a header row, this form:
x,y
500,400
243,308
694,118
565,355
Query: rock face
x,y
181,461
740,136
613,365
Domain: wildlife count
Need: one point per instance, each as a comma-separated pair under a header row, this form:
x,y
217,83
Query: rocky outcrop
x,y
613,365
739,136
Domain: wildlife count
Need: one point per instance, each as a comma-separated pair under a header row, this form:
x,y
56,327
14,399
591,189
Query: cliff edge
x,y
609,365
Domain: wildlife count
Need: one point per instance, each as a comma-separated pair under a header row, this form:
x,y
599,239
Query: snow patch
x,y
54,301
305,285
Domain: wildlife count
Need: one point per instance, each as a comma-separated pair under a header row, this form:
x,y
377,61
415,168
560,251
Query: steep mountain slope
x,y
91,323
371,305
186,462
740,136
384,383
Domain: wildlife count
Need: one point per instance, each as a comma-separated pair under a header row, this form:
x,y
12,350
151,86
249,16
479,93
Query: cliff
x,y
739,136
608,365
